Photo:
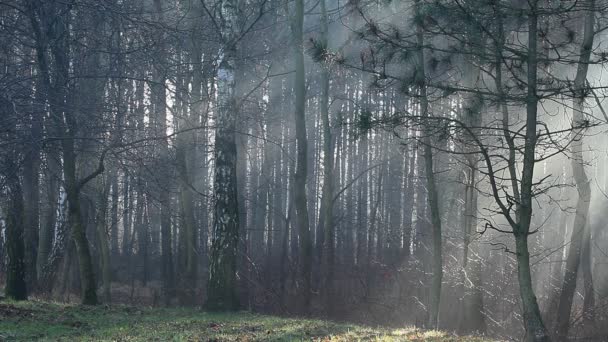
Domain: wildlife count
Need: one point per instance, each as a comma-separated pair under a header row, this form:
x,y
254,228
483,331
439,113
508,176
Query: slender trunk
x,y
246,236
326,224
113,180
127,200
589,290
472,319
275,187
48,213
362,218
433,201
188,234
164,197
579,241
103,190
31,188
408,206
394,196
535,328
301,172
143,236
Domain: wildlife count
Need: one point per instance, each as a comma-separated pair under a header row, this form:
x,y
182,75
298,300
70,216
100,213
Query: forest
x,y
436,164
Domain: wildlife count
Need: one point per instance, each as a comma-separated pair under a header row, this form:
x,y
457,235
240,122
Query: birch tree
x,y
222,286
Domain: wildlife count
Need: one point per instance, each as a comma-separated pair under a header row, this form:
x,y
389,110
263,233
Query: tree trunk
x,y
326,224
113,180
15,250
87,276
143,236
408,206
472,319
186,161
127,200
535,328
301,172
580,237
31,188
222,285
48,213
103,190
433,201
159,97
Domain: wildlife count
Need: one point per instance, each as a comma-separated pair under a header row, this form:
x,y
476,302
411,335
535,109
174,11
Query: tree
x,y
52,42
326,222
301,172
420,79
16,287
222,291
164,186
581,233
473,105
515,207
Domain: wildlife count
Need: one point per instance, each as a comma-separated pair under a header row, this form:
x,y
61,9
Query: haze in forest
x,y
428,163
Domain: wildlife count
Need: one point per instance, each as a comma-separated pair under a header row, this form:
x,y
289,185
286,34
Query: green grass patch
x,y
45,321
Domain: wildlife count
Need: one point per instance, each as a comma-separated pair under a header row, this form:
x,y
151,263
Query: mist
x,y
436,164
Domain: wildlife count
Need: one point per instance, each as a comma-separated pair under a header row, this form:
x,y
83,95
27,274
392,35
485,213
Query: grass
x,y
45,321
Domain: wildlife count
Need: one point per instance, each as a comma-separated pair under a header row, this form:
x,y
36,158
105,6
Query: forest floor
x,y
37,320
